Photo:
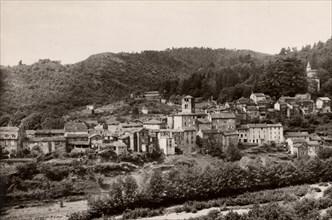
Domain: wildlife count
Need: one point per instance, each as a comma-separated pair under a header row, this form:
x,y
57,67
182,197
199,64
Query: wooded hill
x,y
102,78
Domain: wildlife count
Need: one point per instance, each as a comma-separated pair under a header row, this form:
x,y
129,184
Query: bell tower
x,y
188,104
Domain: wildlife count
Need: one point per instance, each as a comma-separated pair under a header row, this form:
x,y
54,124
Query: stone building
x,y
261,133
11,138
223,121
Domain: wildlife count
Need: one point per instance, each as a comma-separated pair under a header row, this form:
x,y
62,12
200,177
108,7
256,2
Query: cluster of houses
x,y
225,125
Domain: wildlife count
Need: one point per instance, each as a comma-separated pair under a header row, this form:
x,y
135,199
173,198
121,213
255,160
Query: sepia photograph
x,y
166,110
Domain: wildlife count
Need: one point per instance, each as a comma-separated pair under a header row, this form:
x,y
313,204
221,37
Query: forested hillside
x,y
239,77
49,86
102,78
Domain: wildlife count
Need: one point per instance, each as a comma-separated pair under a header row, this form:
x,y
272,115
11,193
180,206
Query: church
x,y
312,79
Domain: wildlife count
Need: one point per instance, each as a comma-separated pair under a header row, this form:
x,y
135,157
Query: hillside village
x,y
225,124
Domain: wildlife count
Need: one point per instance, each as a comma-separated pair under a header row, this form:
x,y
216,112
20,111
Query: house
x,y
292,141
242,103
301,135
96,141
223,121
90,107
230,138
261,133
189,139
313,148
307,106
256,97
211,135
300,150
153,124
167,145
145,110
315,137
46,144
203,124
77,135
252,112
119,147
152,95
78,141
323,104
138,139
11,138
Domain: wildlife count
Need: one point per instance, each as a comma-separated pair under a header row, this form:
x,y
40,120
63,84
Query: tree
x,y
232,153
284,76
135,111
16,118
156,186
32,122
4,120
52,123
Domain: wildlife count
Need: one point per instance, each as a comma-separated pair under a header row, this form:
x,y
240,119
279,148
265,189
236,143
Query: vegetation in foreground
x,y
185,183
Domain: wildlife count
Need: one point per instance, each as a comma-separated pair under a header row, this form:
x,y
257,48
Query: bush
x,y
328,192
324,153
54,173
142,213
27,170
83,215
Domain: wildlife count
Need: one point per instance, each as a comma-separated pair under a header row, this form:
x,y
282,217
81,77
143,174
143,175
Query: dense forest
x,y
48,86
248,74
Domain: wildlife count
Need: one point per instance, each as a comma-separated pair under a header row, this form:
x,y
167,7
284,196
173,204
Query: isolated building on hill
x,y
323,104
261,133
11,138
312,79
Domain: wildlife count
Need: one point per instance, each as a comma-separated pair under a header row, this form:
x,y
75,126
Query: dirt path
x,y
49,211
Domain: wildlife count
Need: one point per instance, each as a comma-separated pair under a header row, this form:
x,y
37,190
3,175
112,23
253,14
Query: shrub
x,y
328,192
27,170
54,173
83,215
324,153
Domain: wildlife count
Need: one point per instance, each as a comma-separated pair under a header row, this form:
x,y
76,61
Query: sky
x,y
71,31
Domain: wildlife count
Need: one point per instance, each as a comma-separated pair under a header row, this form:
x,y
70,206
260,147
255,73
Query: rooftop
x,y
47,139
153,122
223,115
76,127
297,134
9,129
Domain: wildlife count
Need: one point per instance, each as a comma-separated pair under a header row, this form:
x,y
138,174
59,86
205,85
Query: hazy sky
x,y
71,31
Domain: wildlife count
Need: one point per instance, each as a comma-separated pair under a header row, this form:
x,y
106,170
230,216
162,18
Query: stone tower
x,y
312,79
188,104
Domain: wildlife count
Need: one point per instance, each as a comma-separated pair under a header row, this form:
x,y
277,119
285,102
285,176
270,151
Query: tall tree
x,y
284,76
